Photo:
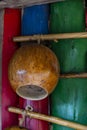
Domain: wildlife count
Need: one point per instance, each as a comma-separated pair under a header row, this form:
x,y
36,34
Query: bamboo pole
x,y
80,75
47,118
50,37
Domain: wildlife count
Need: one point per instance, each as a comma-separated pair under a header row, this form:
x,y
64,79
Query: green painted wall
x,y
69,99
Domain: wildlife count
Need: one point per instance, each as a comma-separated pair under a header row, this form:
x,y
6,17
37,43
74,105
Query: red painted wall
x,y
12,23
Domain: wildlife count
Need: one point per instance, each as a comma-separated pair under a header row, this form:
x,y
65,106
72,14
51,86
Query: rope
x,y
22,119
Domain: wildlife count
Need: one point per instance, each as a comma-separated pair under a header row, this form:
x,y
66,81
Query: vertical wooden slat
x,y
1,38
12,18
35,21
69,99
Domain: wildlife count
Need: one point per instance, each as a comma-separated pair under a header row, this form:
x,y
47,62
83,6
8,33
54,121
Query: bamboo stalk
x,y
50,37
81,75
48,118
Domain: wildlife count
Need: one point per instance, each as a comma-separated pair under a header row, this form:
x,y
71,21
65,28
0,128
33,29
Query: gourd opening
x,y
32,92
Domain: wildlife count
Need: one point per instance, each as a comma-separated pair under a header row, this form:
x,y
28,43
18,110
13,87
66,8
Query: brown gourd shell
x,y
33,71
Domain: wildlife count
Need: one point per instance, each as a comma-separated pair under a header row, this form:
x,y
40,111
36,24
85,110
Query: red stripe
x,y
12,22
38,106
86,17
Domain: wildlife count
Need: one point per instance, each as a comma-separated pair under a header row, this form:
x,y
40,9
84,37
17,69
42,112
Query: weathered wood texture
x,y
1,38
23,3
68,101
35,21
11,27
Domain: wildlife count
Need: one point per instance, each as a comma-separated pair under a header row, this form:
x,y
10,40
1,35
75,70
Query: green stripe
x,y
69,100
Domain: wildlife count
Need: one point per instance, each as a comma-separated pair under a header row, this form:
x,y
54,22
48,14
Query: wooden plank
x,y
12,18
1,40
23,3
35,21
2,4
69,99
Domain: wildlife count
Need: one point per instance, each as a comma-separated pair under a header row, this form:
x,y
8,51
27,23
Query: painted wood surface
x,y
24,3
12,19
35,21
69,100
